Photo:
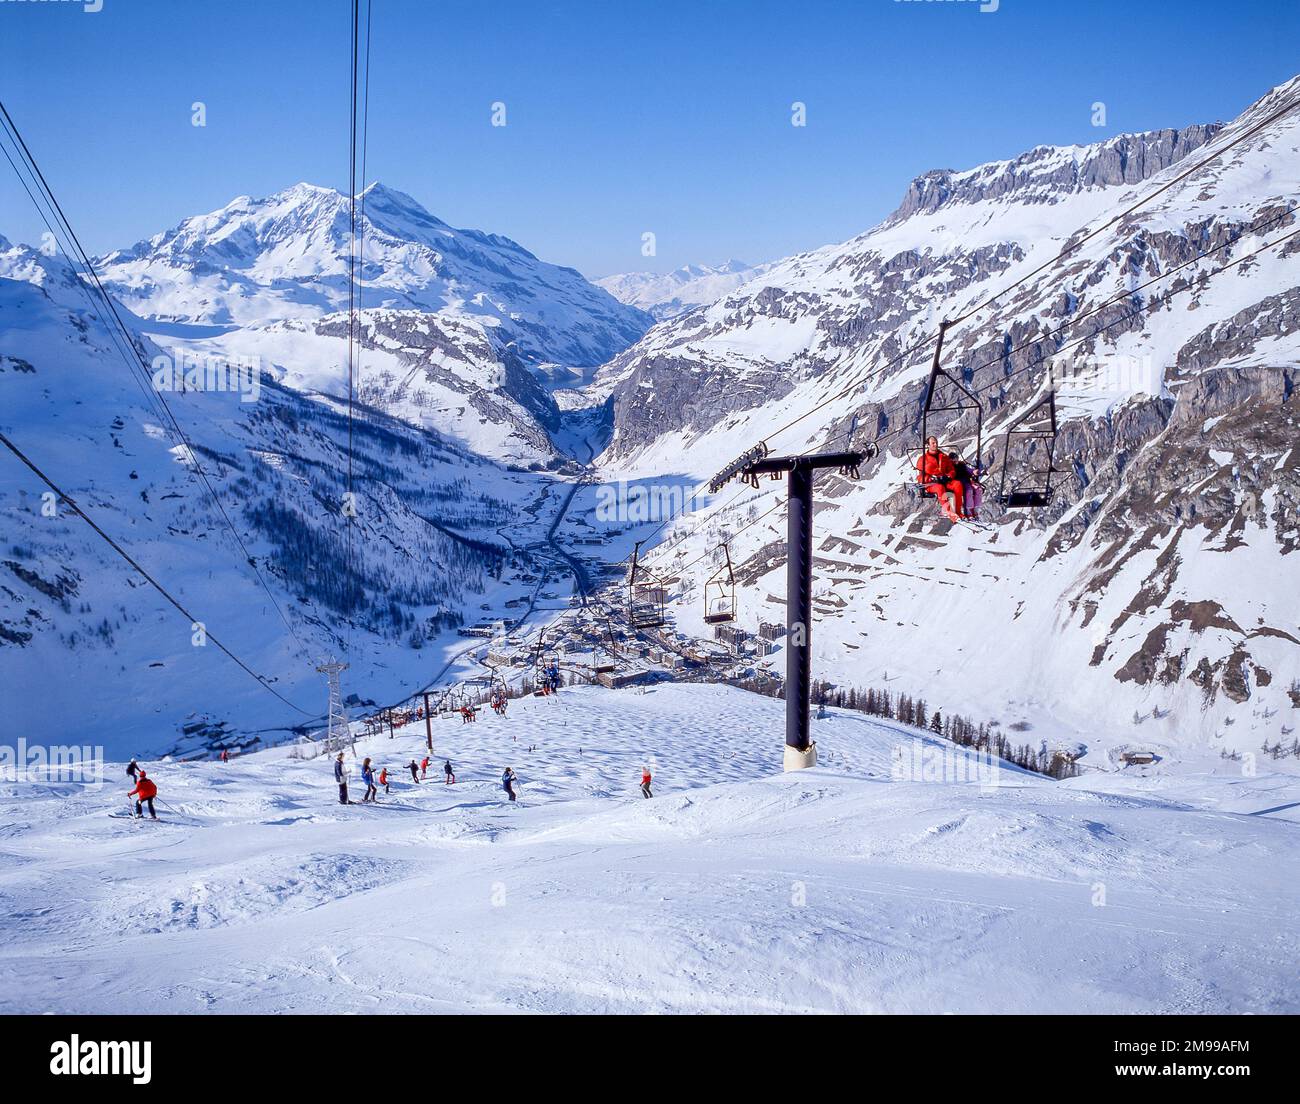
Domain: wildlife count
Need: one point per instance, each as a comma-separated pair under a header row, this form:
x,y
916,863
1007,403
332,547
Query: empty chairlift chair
x,y
645,595
720,593
604,656
1027,456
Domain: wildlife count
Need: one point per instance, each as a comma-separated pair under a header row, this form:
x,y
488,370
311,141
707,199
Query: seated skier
x,y
938,476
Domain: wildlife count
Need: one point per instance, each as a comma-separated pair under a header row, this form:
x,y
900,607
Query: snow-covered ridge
x,y
430,543
286,256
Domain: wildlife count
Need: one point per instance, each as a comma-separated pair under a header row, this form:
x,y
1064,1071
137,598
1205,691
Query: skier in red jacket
x,y
938,476
645,782
145,791
424,767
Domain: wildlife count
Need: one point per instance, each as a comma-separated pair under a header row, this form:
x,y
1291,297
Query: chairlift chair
x,y
645,595
604,656
1027,456
950,397
720,593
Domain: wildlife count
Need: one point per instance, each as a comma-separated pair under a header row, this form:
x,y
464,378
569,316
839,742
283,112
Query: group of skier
x,y
419,771
372,779
953,482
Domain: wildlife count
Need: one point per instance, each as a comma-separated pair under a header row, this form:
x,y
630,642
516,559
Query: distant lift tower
x,y
339,733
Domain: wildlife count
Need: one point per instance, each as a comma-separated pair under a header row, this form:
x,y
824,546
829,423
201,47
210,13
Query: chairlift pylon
x,y
720,593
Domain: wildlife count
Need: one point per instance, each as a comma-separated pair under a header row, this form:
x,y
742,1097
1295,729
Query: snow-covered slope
x,y
864,885
439,532
1150,602
667,295
462,330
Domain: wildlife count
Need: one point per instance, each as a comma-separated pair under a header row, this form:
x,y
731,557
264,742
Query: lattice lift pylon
x,y
338,733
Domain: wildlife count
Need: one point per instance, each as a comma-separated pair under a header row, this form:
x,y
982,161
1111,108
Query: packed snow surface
x,y
845,888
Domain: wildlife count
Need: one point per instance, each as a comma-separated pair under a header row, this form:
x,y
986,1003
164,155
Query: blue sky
x,y
622,117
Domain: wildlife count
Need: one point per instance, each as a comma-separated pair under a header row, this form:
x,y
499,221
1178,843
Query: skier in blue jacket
x,y
368,777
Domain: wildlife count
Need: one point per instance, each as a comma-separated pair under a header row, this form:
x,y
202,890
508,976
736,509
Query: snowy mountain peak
x,y
286,256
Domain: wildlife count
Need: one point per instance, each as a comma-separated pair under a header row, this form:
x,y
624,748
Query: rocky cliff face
x,y
1047,173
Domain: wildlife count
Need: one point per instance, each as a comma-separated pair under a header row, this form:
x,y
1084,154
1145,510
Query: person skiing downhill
x,y
341,777
424,768
225,755
415,772
132,768
508,781
645,782
145,791
368,777
449,775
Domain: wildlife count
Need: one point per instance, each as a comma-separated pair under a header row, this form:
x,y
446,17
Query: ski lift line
x,y
348,519
1126,294
261,680
922,345
45,213
892,433
192,455
1100,329
150,396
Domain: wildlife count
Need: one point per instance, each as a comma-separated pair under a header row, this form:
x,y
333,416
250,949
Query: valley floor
x,y
736,889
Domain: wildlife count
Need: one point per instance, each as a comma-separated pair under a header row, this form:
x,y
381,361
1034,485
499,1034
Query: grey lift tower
x,y
338,734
